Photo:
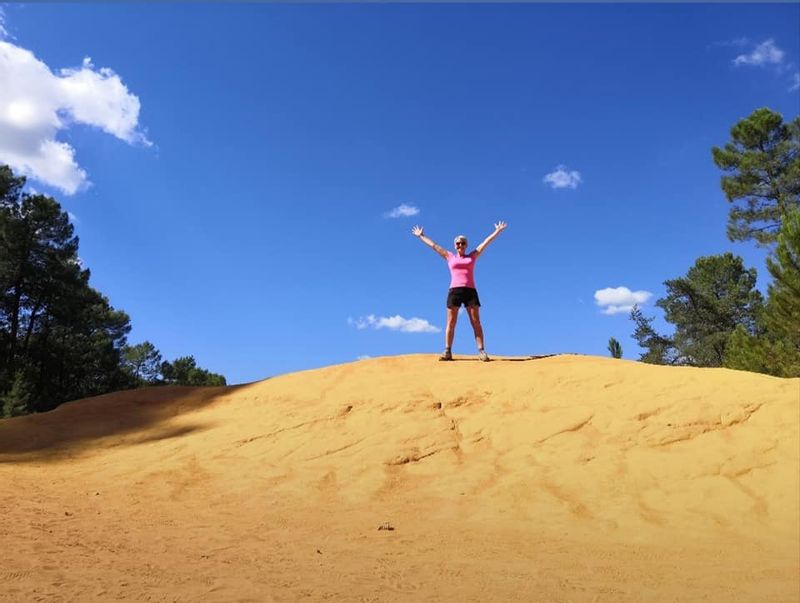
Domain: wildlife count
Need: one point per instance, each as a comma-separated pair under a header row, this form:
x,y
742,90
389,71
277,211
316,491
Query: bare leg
x,y
475,318
450,329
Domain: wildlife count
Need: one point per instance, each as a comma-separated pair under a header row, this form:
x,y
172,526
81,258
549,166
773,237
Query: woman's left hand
x,y
500,226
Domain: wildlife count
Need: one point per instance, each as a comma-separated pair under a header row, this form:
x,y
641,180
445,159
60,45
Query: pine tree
x,y
615,348
763,165
184,371
783,309
143,362
775,348
59,333
16,402
660,349
706,305
63,334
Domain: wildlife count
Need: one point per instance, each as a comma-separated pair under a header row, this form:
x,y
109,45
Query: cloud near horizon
x,y
35,104
620,299
562,178
403,211
394,323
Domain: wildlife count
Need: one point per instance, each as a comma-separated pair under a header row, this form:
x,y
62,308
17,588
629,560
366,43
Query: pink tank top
x,y
462,269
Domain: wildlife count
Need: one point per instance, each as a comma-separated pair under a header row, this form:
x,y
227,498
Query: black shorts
x,y
462,295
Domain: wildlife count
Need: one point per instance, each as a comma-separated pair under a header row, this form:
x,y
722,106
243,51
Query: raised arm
x,y
417,232
498,228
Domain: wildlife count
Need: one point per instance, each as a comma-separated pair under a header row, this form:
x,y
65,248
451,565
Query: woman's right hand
x,y
417,231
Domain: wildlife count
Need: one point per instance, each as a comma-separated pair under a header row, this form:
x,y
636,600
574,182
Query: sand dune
x,y
567,478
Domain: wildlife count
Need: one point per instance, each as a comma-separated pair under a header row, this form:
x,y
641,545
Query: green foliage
x,y
184,371
62,333
142,362
60,339
775,350
783,310
706,305
659,349
614,348
762,354
763,165
10,185
16,401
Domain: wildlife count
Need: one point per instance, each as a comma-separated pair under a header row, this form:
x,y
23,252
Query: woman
x,y
462,286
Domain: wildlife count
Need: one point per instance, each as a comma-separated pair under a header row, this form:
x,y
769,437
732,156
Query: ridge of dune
x,y
520,463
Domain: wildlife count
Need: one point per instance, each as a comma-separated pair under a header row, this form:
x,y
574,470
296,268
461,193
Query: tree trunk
x,y
32,321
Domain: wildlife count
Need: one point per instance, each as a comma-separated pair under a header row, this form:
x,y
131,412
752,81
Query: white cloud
x,y
795,82
3,30
394,323
35,104
561,178
73,218
364,357
403,211
765,53
620,299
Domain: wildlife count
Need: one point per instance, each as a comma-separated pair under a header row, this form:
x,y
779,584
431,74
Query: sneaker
x,y
446,355
483,356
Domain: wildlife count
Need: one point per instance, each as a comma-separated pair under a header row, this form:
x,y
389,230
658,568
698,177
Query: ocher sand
x,y
569,478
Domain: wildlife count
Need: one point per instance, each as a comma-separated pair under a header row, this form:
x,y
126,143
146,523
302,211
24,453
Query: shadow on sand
x,y
521,359
131,417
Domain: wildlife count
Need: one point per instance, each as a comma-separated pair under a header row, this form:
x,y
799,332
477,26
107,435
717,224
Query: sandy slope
x,y
568,478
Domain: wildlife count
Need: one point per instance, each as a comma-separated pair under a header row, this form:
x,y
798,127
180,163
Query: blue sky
x,y
231,168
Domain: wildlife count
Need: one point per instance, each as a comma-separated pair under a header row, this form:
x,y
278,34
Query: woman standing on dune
x,y
462,286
